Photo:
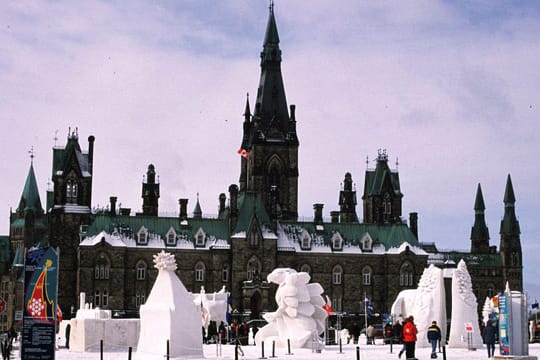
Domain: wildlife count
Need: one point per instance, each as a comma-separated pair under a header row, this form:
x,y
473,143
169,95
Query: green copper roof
x,y
30,197
476,260
250,205
381,177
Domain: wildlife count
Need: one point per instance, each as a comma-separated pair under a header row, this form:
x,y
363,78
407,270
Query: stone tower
x,y
150,193
347,201
70,210
510,246
382,193
269,149
479,231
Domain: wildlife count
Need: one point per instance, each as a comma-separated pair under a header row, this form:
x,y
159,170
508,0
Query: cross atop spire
x,y
32,154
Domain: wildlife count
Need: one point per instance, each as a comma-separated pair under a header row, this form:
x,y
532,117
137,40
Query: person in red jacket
x,y
409,337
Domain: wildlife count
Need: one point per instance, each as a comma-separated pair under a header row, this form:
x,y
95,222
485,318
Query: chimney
x,y
318,218
413,223
334,216
91,140
113,200
183,209
233,196
222,199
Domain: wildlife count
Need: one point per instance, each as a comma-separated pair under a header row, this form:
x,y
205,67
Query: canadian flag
x,y
243,153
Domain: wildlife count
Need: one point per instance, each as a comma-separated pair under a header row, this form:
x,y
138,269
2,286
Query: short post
x,y
129,353
340,346
391,343
101,349
444,352
262,351
273,349
236,351
289,347
168,349
358,353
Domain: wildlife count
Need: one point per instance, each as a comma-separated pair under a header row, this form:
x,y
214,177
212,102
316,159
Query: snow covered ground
x,y
371,352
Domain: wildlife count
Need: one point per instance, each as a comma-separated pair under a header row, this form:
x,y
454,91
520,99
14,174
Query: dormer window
x,y
142,236
337,241
171,237
200,238
367,243
305,241
72,190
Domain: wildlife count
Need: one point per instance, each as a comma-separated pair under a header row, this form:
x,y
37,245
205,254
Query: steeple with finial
x,y
510,245
479,231
150,193
197,212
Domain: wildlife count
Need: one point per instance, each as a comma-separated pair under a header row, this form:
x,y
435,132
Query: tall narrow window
x,y
105,301
253,269
141,270
97,299
72,189
387,204
225,273
254,238
199,271
366,276
337,275
406,275
102,267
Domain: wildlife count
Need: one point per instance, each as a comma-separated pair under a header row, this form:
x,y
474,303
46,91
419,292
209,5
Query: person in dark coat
x,y
489,334
434,335
355,332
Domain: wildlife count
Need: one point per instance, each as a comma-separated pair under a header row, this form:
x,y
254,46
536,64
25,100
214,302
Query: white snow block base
x,y
523,357
117,334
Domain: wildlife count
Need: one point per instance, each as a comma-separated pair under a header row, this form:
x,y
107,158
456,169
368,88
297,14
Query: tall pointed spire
x,y
197,212
509,223
30,199
479,231
271,104
509,197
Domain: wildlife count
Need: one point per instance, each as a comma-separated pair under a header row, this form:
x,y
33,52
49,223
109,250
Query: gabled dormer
x,y
200,238
305,240
367,242
382,193
142,236
170,237
337,241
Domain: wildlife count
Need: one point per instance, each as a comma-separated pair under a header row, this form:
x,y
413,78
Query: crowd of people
x,y
227,333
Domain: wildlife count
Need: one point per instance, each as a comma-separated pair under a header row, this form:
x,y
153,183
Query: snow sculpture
x,y
464,311
169,314
426,304
300,317
213,307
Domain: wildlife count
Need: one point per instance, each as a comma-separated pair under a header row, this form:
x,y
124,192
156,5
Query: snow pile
x,y
426,304
169,314
464,311
300,317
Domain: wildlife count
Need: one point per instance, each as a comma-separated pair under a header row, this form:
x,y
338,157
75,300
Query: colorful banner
x,y
39,307
504,325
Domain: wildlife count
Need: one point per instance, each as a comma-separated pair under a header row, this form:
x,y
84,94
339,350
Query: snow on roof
x,y
403,247
74,209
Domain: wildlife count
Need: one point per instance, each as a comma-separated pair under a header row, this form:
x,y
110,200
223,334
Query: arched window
x,y
105,300
253,269
337,273
254,238
141,270
97,299
366,275
102,267
199,271
406,275
305,268
140,298
72,189
225,273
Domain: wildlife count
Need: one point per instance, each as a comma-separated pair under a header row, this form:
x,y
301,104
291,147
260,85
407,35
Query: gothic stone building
x,y
108,254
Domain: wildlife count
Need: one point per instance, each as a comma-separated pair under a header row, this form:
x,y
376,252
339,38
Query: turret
x,y
150,193
347,201
510,245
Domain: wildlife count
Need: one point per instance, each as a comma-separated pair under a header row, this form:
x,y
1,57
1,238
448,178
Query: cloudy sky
x,y
451,88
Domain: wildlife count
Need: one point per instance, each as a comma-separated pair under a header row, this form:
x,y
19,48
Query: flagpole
x,y
365,316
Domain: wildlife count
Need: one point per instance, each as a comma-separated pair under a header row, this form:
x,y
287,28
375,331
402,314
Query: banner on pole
x,y
39,307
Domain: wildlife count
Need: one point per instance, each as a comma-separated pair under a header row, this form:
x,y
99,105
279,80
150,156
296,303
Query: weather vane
x,y
55,137
271,7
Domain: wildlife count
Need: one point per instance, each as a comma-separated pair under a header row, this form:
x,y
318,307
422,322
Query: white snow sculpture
x,y
300,317
426,304
464,310
213,307
169,314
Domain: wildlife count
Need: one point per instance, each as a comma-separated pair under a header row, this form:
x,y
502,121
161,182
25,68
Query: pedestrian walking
x,y
409,337
489,334
434,335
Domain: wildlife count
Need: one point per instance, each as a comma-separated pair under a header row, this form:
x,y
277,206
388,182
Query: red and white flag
x,y
243,153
